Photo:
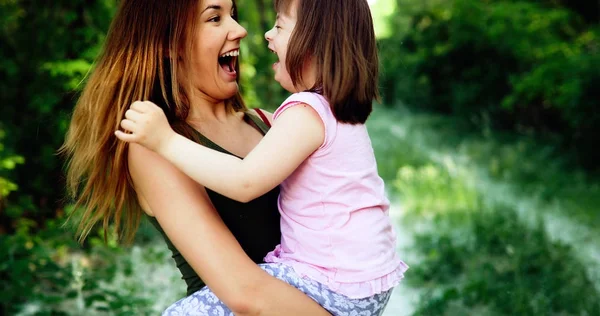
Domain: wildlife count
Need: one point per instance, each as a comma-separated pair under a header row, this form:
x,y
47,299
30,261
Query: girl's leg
x,y
204,302
336,304
200,303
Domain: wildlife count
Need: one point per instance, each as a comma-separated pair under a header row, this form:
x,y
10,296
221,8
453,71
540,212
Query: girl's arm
x,y
296,134
187,216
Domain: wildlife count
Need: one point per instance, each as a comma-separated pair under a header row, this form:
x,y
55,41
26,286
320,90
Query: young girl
x,y
337,244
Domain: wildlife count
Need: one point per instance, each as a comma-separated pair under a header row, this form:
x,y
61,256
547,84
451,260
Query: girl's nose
x,y
269,34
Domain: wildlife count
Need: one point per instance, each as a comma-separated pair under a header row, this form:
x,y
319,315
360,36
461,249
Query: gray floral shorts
x,y
204,302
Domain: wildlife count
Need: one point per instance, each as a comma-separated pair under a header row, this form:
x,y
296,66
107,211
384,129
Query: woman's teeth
x,y
228,60
233,53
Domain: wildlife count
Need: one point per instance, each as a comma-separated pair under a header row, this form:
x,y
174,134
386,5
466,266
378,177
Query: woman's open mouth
x,y
228,61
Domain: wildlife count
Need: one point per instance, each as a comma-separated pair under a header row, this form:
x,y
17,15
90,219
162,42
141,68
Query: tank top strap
x,y
263,116
259,120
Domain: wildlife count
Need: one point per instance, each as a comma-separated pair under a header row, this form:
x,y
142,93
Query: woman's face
x,y
214,51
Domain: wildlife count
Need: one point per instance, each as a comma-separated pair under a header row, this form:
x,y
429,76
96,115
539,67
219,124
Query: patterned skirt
x,y
205,302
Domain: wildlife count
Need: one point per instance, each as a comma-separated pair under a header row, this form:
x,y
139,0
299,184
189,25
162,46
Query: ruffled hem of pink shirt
x,y
353,290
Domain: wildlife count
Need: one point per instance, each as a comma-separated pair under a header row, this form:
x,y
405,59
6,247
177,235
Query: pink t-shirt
x,y
334,213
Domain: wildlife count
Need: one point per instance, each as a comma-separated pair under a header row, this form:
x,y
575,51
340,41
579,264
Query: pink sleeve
x,y
319,104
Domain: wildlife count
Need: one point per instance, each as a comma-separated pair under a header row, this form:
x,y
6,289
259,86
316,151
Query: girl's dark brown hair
x,y
338,36
147,43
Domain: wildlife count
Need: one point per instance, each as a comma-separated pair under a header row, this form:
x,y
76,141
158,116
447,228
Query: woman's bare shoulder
x,y
156,181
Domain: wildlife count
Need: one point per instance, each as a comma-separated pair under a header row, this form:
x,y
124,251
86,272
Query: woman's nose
x,y
238,31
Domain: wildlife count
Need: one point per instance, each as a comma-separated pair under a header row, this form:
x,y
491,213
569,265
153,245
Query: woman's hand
x,y
147,125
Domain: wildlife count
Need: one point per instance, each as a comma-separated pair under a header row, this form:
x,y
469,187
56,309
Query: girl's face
x,y
214,51
278,38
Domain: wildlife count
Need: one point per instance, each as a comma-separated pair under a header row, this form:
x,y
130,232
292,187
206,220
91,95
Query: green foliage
x,y
257,84
532,167
31,265
474,204
482,259
523,65
501,267
7,163
44,274
430,189
47,49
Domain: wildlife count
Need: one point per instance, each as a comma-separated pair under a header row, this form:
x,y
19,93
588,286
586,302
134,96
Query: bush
x,y
45,272
7,163
47,48
525,66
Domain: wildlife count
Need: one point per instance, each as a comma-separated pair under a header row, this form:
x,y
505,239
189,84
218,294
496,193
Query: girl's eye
x,y
215,19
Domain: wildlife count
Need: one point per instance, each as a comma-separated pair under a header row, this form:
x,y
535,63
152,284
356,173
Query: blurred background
x,y
485,137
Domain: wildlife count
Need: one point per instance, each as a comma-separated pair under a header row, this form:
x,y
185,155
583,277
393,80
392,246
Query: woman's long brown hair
x,y
145,46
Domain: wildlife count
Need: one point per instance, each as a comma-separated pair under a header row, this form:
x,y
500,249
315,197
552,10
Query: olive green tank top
x,y
255,224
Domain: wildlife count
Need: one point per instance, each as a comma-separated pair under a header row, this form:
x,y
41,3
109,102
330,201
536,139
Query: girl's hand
x,y
147,125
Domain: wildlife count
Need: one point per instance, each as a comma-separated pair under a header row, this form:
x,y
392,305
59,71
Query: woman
x,y
183,55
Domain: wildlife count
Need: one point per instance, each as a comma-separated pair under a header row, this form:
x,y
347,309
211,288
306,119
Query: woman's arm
x,y
187,216
296,134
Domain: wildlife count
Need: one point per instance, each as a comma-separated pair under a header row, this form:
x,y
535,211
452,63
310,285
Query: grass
x,y
500,267
531,167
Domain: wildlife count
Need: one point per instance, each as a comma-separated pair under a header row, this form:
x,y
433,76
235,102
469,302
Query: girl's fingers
x,y
133,115
128,125
125,137
140,106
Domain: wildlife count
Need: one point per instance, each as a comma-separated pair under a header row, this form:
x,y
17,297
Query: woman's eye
x,y
215,19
